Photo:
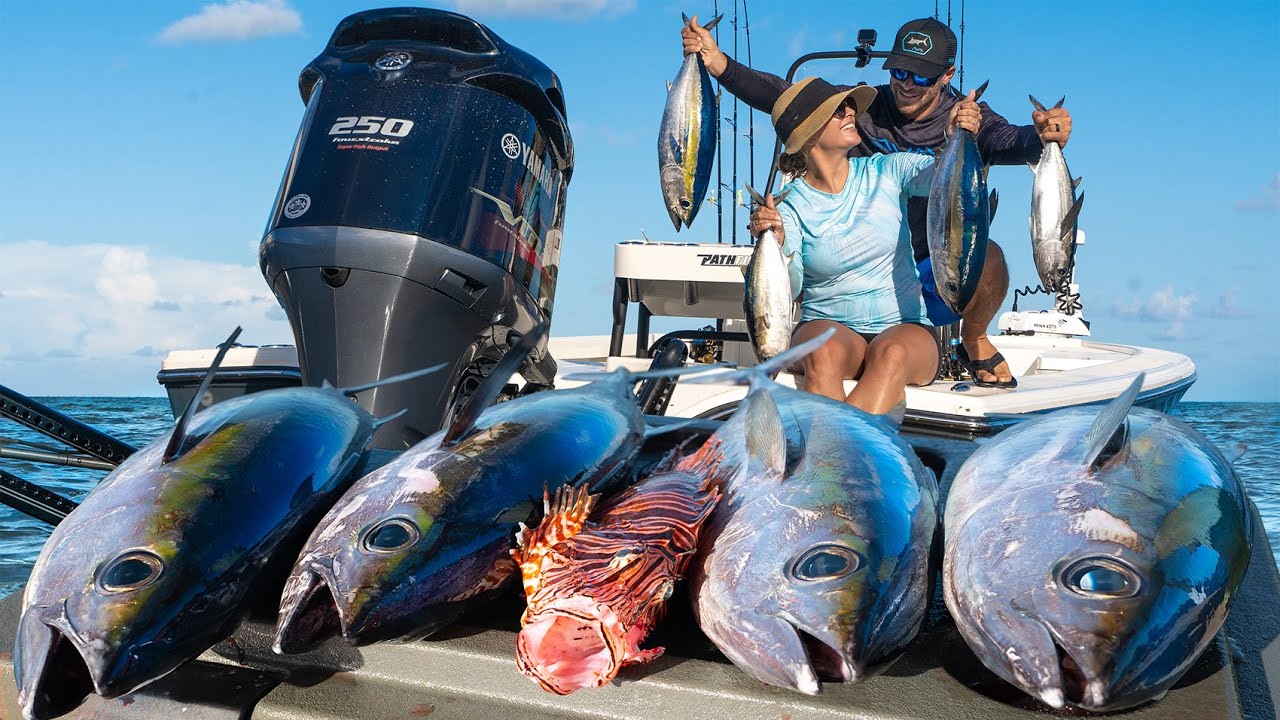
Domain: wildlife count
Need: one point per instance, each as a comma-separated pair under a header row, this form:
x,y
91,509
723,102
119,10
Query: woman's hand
x,y
966,114
697,39
766,217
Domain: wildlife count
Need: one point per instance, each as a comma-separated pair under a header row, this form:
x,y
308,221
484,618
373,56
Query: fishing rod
x,y
715,12
961,47
751,116
733,190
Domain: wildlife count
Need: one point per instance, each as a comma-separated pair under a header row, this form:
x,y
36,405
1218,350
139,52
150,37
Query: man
x,y
909,115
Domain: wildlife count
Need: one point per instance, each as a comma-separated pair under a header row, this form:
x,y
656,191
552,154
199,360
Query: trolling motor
x,y
420,216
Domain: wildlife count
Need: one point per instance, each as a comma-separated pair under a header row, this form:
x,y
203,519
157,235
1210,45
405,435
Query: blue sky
x,y
143,143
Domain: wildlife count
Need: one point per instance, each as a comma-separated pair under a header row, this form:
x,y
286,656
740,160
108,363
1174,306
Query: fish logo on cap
x,y
917,42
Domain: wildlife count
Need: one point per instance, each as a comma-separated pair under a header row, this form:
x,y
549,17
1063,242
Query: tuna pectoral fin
x,y
1108,433
766,438
52,677
1069,220
180,428
489,390
353,390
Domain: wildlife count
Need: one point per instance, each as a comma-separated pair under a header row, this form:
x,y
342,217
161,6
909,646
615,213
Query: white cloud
x,y
1229,307
555,9
1167,305
93,307
235,20
1266,201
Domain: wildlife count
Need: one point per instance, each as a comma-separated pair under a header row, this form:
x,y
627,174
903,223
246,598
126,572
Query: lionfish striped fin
x,y
708,463
564,517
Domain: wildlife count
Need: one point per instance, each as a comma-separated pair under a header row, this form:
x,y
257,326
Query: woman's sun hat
x,y
805,107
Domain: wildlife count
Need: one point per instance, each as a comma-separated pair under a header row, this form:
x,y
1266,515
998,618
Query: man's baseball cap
x,y
925,47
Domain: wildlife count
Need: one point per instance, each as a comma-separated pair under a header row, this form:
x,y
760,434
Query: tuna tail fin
x,y
1109,432
992,203
714,21
758,199
492,386
1060,101
769,368
1039,106
766,438
977,94
1071,218
353,390
180,427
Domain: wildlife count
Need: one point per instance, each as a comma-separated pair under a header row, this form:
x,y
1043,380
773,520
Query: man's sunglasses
x,y
919,80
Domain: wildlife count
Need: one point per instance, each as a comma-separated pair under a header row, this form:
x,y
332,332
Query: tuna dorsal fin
x,y
563,517
1039,106
379,422
492,386
1069,220
977,95
766,439
356,389
993,201
180,427
1109,432
1075,184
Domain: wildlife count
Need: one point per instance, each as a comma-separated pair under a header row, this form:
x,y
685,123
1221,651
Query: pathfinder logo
x,y
513,148
917,42
721,260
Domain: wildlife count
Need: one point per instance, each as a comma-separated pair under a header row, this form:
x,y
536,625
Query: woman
x,y
843,226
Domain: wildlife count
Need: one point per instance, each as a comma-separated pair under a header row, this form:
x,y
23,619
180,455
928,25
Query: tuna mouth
x,y
829,663
1076,687
310,620
56,678
570,646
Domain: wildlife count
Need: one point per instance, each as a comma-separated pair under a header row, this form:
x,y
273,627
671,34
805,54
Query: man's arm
x,y
1002,143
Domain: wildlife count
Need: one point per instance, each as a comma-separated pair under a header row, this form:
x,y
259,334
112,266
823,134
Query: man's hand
x,y
765,217
1053,125
966,114
698,40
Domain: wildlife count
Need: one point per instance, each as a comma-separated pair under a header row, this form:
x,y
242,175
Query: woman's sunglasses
x,y
919,80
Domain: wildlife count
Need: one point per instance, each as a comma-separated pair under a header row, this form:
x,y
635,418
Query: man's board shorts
x,y
937,311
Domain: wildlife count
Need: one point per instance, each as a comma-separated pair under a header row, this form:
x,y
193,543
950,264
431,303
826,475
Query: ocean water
x,y
139,420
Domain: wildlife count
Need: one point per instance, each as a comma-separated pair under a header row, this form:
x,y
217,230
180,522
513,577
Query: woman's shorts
x,y
933,332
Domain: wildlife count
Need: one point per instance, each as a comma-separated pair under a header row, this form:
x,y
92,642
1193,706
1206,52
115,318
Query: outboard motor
x,y
419,219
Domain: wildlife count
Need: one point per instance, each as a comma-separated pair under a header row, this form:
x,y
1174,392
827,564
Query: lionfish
x,y
597,582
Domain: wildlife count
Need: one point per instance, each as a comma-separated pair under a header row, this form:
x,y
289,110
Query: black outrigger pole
x,y
96,450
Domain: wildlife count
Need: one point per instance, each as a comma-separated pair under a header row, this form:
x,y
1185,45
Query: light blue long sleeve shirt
x,y
850,252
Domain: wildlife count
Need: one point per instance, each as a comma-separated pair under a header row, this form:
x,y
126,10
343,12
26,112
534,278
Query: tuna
x,y
687,139
597,581
165,555
410,545
1092,554
1055,210
959,218
768,299
816,563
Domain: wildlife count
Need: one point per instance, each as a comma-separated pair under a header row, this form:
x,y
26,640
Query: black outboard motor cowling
x,y
419,220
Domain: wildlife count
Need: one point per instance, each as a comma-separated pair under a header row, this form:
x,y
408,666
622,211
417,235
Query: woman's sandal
x,y
989,365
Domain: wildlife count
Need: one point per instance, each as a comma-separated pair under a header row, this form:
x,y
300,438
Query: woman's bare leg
x,y
826,368
901,355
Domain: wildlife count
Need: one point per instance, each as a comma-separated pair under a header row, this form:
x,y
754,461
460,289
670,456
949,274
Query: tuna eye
x,y
391,535
826,562
131,571
1101,577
